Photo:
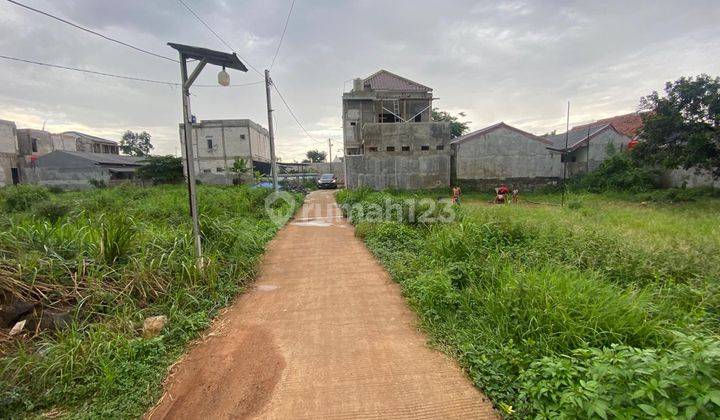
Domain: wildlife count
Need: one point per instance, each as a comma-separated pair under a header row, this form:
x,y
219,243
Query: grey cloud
x,y
517,61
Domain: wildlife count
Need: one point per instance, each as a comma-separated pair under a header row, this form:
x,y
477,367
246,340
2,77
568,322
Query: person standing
x,y
456,191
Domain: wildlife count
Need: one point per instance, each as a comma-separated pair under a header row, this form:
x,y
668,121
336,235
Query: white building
x,y
217,144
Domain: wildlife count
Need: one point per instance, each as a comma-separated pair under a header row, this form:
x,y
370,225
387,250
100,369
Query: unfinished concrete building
x,y
9,170
388,136
588,146
217,144
501,153
90,144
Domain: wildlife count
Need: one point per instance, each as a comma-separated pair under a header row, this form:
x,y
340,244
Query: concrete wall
x,y
231,140
405,169
502,155
600,147
8,151
691,179
335,168
67,178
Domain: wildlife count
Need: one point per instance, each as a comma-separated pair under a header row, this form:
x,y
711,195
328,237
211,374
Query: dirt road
x,y
324,333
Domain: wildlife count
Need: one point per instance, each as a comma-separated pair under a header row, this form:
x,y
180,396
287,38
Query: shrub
x,y
23,197
97,183
619,173
51,210
161,169
627,382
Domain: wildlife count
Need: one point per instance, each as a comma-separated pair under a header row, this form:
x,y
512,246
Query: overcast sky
x,y
512,61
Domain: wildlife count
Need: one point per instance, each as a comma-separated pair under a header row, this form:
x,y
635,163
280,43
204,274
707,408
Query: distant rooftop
x,y
105,158
89,137
384,80
626,124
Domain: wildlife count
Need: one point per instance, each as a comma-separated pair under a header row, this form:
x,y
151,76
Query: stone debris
x,y
153,325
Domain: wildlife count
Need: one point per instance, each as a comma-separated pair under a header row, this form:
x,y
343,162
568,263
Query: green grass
x,y
608,308
117,256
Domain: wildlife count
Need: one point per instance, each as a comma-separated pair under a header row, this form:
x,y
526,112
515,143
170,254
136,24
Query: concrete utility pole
x,y
330,150
273,164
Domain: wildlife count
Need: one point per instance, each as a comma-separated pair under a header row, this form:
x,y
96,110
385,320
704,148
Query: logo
x,y
280,206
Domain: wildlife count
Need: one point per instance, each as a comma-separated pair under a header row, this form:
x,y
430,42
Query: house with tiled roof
x,y
586,147
389,138
629,125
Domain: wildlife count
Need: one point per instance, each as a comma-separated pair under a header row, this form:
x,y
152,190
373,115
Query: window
x,y
353,123
96,148
352,151
33,144
219,169
439,147
390,149
206,171
105,148
566,158
424,147
372,149
406,148
418,118
209,143
242,136
387,118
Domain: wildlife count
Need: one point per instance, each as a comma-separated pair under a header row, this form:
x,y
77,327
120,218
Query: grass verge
x,y
112,257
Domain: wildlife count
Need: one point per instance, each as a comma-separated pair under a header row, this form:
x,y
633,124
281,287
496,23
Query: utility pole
x,y
273,164
189,158
565,155
203,56
330,149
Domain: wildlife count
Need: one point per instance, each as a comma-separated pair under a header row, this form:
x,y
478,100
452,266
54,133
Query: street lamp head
x,y
223,77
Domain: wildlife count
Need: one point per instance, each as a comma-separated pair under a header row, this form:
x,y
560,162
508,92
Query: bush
x,y
23,197
619,173
97,183
161,169
627,382
51,210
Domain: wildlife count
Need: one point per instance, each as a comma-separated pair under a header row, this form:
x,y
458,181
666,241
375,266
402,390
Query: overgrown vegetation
x,y
112,257
611,309
619,173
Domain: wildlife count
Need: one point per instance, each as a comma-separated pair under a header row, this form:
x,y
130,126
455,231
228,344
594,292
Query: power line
x,y
293,114
117,76
91,31
277,50
218,36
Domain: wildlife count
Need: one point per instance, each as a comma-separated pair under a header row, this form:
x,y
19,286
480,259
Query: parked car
x,y
327,181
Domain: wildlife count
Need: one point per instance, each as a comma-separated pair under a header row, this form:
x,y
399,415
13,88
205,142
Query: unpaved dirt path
x,y
324,333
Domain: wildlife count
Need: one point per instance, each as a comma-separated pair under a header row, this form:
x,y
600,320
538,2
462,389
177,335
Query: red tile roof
x,y
628,125
384,80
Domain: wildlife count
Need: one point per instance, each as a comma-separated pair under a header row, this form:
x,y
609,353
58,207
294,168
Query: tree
x,y
457,128
240,166
682,128
136,144
316,156
161,169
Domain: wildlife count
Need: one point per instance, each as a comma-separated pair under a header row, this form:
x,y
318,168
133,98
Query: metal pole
x,y
567,133
189,159
330,150
587,152
273,164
